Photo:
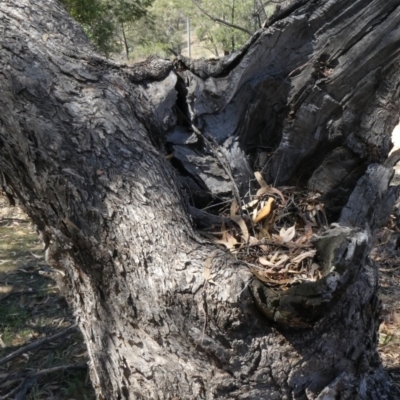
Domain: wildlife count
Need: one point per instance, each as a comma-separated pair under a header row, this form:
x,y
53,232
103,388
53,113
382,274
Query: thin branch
x,y
213,146
171,50
22,388
36,344
40,373
31,376
263,5
221,21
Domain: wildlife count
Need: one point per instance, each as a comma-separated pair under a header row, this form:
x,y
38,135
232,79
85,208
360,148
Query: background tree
x,y
235,23
159,27
165,313
161,31
167,34
106,22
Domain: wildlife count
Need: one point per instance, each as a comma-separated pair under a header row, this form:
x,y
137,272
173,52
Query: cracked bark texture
x,y
310,100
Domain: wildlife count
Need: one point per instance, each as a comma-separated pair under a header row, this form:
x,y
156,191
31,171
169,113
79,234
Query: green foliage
x,y
124,11
169,18
144,27
162,30
235,12
102,19
84,11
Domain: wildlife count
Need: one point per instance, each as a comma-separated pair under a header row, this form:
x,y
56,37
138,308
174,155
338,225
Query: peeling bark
x,y
311,101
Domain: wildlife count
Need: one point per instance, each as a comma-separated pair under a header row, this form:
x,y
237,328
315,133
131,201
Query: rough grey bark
x,y
310,100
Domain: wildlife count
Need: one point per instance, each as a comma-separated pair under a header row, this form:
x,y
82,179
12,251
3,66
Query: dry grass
x,y
31,308
387,255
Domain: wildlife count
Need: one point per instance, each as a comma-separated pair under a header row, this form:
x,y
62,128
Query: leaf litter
x,y
272,233
386,255
280,252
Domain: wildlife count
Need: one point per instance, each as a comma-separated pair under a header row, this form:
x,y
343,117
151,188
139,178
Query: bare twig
x,y
43,372
20,389
36,344
213,145
31,376
221,21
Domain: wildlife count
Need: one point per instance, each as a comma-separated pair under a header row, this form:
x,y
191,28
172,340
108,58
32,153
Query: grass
x,y
32,308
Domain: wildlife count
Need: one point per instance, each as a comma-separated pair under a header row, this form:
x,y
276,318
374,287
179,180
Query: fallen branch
x,y
40,373
36,344
20,390
31,376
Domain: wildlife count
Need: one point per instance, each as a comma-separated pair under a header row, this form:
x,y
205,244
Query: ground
x,y
31,308
387,255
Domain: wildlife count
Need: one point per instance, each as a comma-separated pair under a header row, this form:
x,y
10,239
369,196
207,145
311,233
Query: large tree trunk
x,y
311,100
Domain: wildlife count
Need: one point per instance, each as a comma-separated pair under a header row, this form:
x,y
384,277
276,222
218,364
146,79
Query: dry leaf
x,y
268,224
260,179
254,214
287,234
263,276
262,233
265,211
251,204
229,243
269,263
253,240
223,231
275,256
303,256
271,190
260,275
301,240
277,238
234,208
264,261
283,258
242,226
262,191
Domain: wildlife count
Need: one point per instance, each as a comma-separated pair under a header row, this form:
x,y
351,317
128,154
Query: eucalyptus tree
x,y
106,21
